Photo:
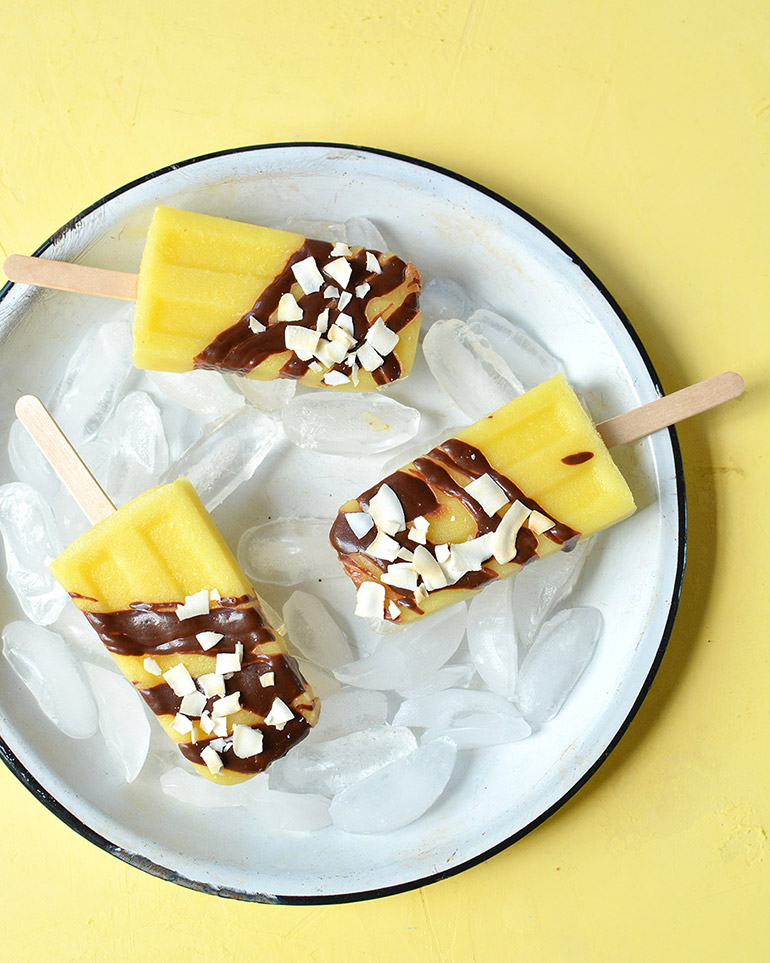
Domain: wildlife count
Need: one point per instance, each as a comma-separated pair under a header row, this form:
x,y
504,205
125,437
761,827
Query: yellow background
x,y
639,133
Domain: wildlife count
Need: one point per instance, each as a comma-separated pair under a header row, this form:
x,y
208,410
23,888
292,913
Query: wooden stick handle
x,y
671,409
66,276
65,461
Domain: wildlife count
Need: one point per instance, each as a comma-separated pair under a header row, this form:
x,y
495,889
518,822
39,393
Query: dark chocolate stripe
x,y
578,458
255,697
240,349
276,743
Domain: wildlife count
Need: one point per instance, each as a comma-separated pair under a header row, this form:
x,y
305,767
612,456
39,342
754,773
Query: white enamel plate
x,y
450,228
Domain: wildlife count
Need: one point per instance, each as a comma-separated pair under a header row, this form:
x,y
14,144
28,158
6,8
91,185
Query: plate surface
x,y
450,228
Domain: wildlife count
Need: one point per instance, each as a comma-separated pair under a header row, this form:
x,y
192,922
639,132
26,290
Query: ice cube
x,y
320,681
193,790
349,424
397,794
537,589
447,677
81,637
50,671
330,767
361,232
440,710
407,660
443,298
348,710
314,632
527,359
481,729
139,451
97,370
226,455
302,812
122,719
492,637
206,392
473,375
29,464
31,542
560,653
265,395
289,550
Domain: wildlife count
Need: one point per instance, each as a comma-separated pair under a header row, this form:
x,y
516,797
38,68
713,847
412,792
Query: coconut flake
x,y
308,276
193,704
362,290
345,298
539,523
387,511
341,335
212,684
206,722
401,575
228,662
247,741
180,680
339,271
341,249
322,321
302,341
372,263
361,523
331,292
212,759
381,338
182,724
279,714
335,379
267,679
394,611
345,322
208,640
368,357
288,309
383,547
504,542
370,600
226,706
428,569
487,493
195,604
151,666
471,555
442,553
330,353
256,326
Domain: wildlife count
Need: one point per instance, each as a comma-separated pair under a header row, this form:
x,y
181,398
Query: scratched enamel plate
x,y
448,227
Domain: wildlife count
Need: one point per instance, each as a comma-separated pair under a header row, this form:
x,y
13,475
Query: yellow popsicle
x,y
266,304
160,586
522,483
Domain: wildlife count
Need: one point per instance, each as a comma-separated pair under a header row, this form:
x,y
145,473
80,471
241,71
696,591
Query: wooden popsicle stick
x,y
64,460
671,409
65,276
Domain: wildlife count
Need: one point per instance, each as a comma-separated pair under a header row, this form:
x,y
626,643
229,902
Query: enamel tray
x,y
449,227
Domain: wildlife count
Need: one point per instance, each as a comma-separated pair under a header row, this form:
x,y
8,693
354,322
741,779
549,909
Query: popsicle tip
x,y
25,404
735,381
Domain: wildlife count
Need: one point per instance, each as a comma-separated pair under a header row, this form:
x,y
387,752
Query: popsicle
x,y
158,583
262,303
526,481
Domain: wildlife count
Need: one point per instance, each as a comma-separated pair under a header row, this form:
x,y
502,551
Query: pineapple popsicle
x,y
168,599
266,304
524,482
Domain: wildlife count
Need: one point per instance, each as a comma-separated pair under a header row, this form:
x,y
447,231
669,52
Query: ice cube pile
x,y
399,704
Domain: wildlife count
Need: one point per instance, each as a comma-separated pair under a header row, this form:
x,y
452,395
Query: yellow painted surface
x,y
640,133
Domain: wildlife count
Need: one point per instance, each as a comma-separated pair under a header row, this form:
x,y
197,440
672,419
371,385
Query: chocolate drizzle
x,y
578,458
146,629
416,489
240,349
